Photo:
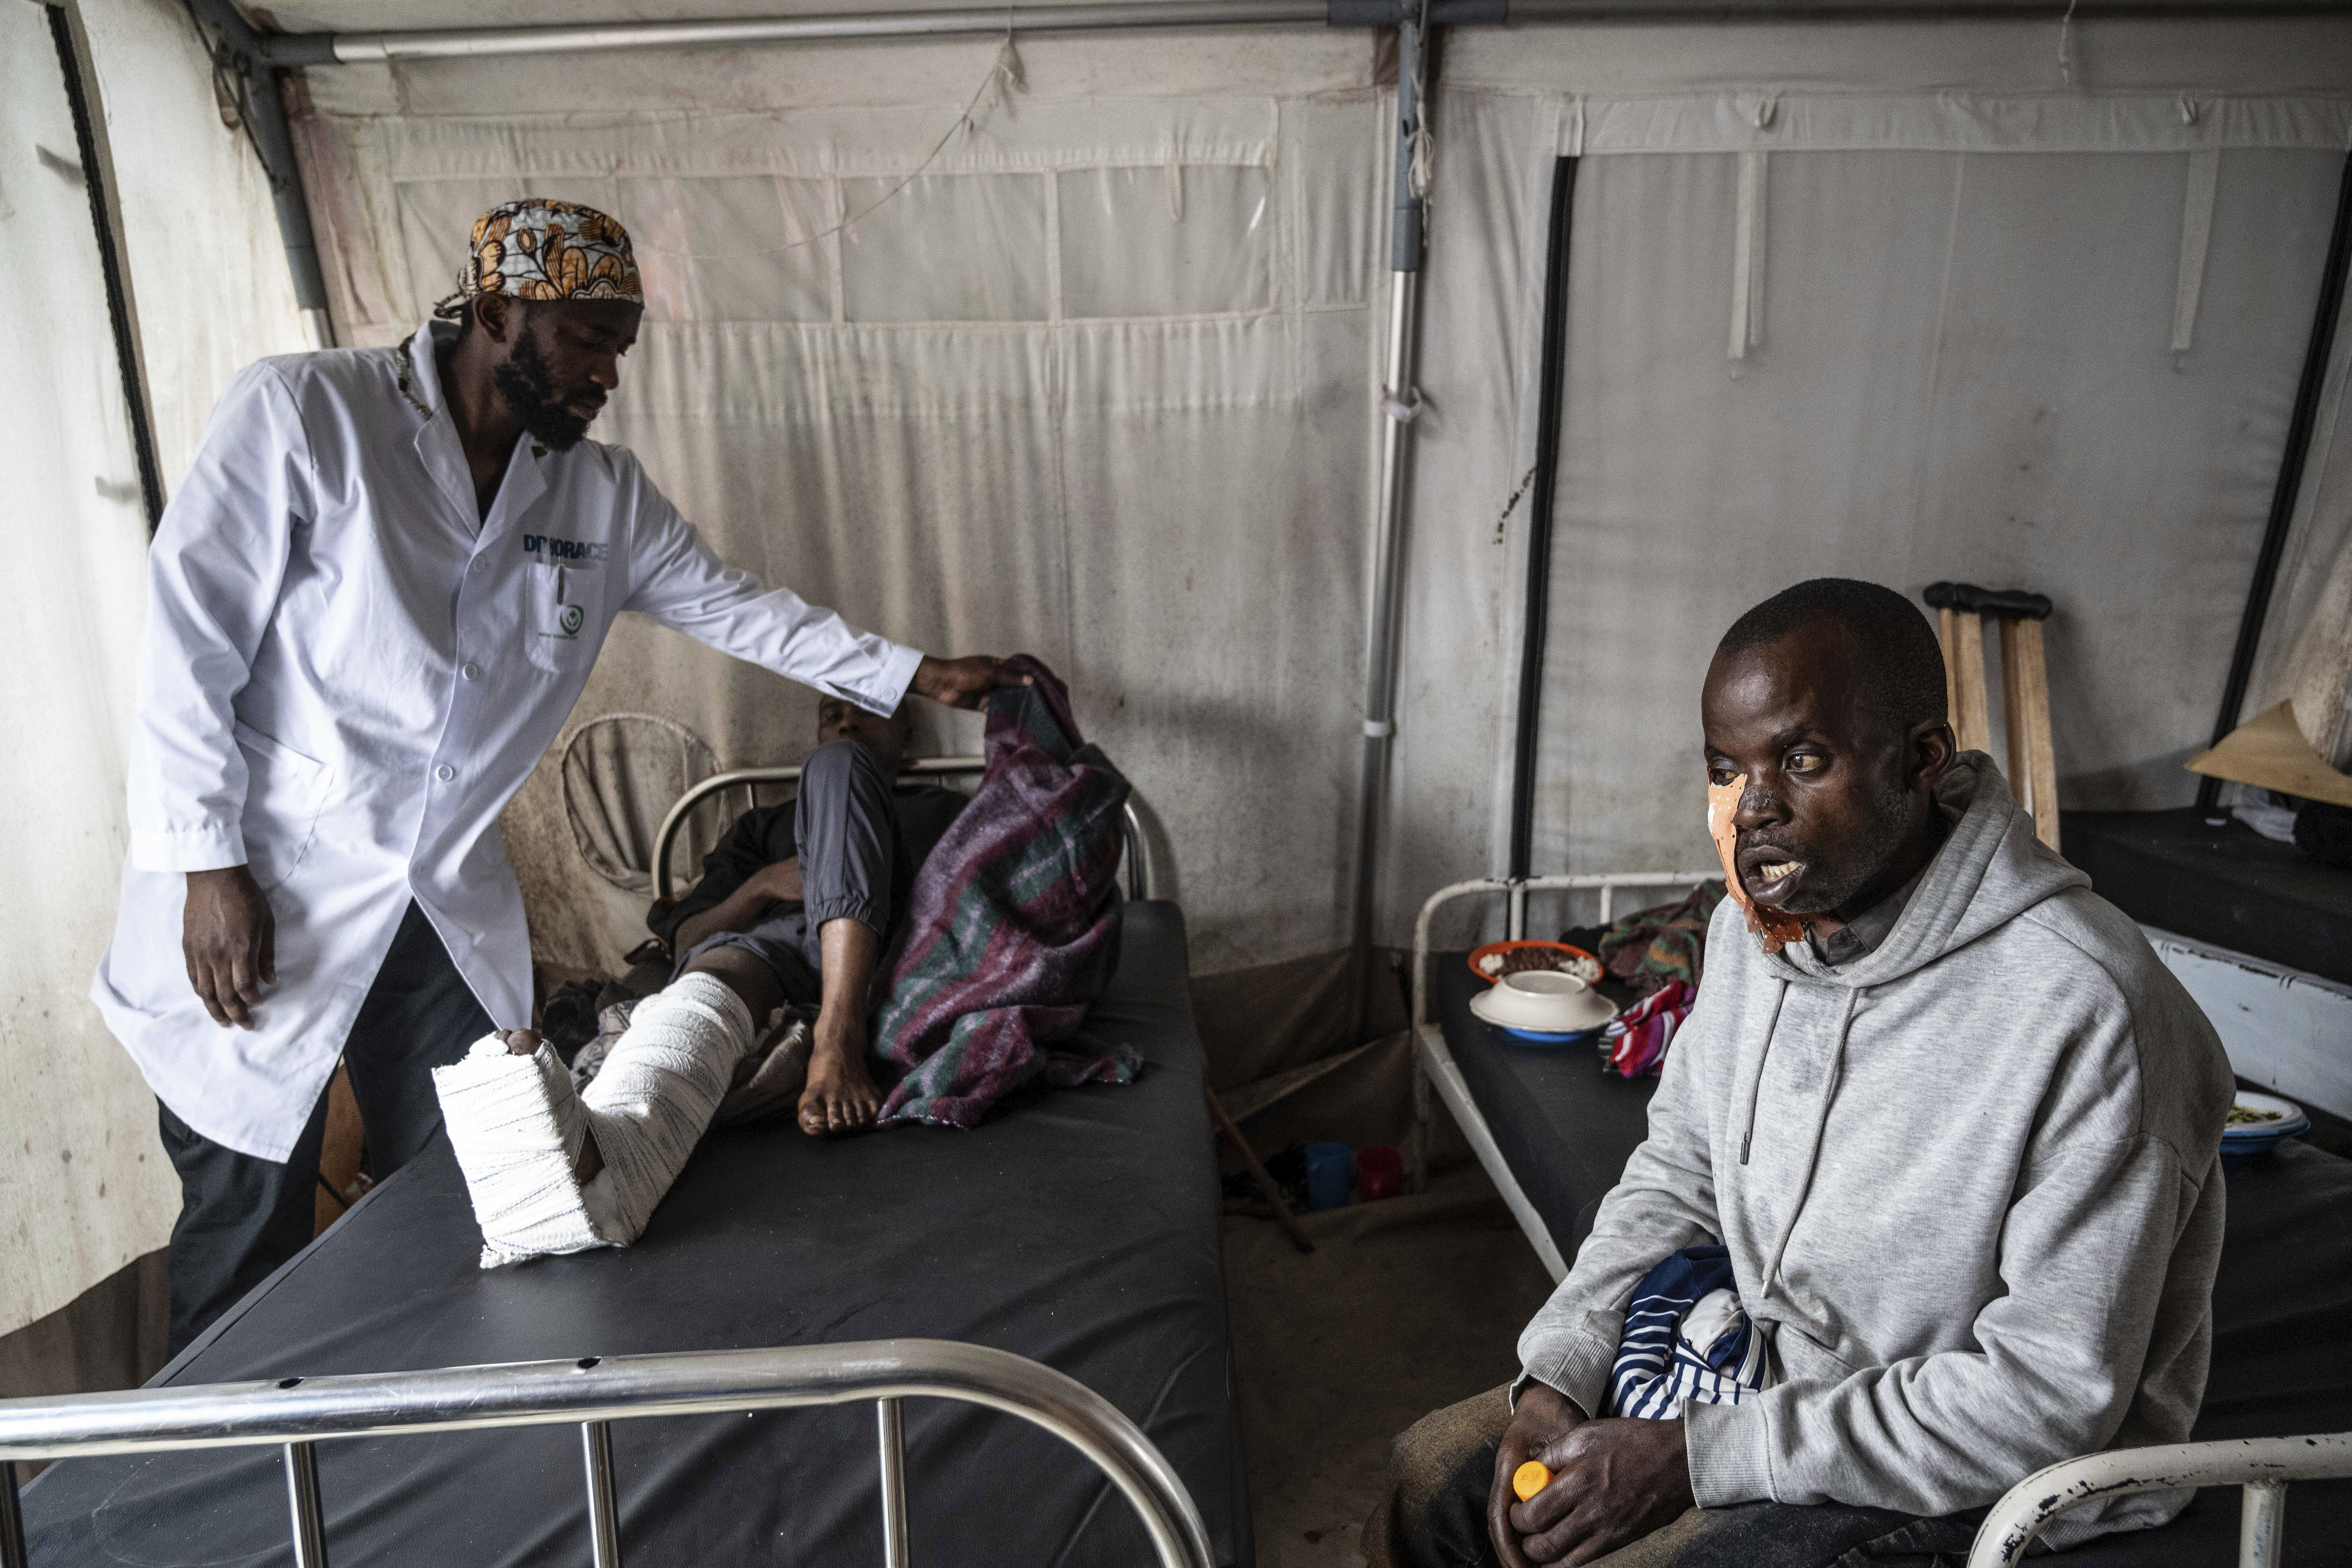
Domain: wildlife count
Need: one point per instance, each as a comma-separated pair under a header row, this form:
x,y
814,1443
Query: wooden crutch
x,y
1961,609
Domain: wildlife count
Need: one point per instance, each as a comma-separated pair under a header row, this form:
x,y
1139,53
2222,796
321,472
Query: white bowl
x,y
1547,1001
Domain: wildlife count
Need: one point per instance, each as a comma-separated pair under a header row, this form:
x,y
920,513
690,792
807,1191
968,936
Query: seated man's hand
x,y
963,683
779,882
1613,1482
1544,1418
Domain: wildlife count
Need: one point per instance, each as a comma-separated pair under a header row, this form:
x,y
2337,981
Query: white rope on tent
x,y
1748,253
2196,239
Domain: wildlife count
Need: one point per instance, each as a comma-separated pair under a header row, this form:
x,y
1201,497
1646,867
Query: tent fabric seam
x,y
1933,121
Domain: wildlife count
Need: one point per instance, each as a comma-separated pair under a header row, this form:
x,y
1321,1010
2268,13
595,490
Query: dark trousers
x,y
241,1217
853,866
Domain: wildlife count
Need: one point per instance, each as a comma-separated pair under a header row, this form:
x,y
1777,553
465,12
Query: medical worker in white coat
x,y
372,603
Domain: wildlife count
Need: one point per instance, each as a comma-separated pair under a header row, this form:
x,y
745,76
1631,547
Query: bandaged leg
x,y
519,1128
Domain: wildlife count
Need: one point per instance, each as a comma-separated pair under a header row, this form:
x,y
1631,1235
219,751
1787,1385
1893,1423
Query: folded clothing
x,y
1635,1041
1687,1340
1012,930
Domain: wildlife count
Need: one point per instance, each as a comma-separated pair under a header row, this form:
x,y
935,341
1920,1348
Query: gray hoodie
x,y
1971,1184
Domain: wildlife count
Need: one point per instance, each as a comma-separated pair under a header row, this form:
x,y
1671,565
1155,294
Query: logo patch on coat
x,y
569,551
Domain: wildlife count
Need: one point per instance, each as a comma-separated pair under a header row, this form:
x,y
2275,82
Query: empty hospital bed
x,y
1554,1130
1077,1229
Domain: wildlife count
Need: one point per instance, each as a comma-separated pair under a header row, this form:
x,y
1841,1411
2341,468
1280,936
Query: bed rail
x,y
1435,1062
2263,1466
1139,867
296,1413
1605,883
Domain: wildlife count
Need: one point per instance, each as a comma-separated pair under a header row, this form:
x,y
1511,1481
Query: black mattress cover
x,y
1564,1125
2282,1303
2228,885
1078,1228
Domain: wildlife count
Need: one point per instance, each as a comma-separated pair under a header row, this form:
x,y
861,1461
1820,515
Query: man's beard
x,y
1829,885
529,390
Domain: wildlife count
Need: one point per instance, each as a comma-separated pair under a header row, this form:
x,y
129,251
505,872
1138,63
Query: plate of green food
x,y
2258,1121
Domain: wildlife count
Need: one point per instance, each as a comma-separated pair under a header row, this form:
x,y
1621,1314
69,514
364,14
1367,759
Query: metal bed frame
x,y
1435,1062
2263,1466
748,780
298,1413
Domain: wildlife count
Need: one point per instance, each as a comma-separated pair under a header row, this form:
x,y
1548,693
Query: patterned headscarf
x,y
540,249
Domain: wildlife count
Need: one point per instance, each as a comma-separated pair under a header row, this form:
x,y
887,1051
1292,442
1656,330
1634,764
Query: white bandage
x,y
516,1123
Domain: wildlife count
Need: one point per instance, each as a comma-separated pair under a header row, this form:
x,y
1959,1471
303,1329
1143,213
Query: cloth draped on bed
x,y
1011,929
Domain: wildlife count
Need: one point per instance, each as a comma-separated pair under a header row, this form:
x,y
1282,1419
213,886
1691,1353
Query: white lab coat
x,y
346,672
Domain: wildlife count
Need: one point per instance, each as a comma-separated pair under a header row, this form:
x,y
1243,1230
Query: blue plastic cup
x,y
1329,1167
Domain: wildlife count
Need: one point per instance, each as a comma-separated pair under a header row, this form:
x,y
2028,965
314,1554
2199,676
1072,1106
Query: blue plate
x,y
1537,1037
2245,1138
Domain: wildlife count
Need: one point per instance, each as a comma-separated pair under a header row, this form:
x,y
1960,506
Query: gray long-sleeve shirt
x,y
1970,1182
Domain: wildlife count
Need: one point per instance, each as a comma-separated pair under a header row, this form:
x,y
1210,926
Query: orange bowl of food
x,y
1497,959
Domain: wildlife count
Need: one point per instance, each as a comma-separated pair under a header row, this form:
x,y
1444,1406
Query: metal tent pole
x,y
94,175
448,43
1552,376
249,53
1399,402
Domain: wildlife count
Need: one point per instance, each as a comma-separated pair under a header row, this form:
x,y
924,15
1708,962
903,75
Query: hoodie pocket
x,y
284,792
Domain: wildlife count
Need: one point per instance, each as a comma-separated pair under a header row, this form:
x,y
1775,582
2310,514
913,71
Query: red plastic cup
x,y
1379,1173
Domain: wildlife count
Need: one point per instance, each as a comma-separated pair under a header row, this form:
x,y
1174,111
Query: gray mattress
x,y
1078,1228
2281,1303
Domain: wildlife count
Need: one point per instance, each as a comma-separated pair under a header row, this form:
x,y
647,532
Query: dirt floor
x,y
1405,1305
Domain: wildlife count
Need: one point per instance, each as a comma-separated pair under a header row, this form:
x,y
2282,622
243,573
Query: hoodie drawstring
x,y
1756,1090
1829,1080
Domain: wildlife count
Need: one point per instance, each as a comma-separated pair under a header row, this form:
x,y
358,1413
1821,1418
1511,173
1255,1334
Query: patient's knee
x,y
833,767
1441,1469
1429,1455
745,973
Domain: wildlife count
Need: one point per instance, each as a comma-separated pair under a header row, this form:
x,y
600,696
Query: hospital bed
x,y
1554,1130
713,1392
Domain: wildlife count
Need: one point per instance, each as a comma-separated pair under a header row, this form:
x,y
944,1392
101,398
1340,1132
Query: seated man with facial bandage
x,y
1931,1196
795,907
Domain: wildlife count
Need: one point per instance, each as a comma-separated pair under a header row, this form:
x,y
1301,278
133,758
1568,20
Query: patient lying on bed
x,y
794,908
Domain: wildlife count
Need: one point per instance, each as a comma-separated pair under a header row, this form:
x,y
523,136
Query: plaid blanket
x,y
1650,949
1013,928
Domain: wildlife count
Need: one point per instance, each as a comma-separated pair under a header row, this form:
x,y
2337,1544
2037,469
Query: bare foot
x,y
840,1096
525,1043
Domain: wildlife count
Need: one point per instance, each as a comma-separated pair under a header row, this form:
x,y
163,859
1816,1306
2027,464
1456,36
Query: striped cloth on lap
x,y
1012,928
1687,1340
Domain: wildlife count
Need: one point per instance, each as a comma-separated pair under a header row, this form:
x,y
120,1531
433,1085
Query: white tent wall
x,y
1092,386
207,281
76,1201
1964,289
85,1191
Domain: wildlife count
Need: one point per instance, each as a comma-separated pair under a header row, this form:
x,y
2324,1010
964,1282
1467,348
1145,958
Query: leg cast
x,y
531,1145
